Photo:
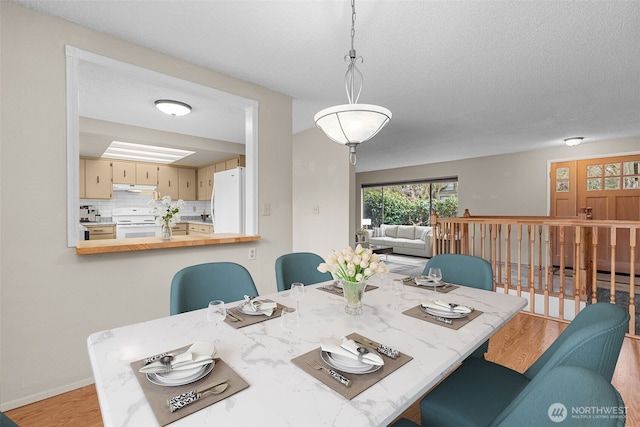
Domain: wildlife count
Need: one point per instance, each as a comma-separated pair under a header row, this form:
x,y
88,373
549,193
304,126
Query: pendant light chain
x,y
352,69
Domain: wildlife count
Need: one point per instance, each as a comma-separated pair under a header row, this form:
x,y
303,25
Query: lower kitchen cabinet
x,y
179,229
195,228
97,232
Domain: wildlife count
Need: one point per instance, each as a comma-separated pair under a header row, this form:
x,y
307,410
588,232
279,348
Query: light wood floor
x,y
517,345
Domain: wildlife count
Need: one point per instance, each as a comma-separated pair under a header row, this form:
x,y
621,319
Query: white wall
x,y
322,178
51,299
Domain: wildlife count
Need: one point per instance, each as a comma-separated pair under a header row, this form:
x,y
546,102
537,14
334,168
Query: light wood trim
x,y
88,247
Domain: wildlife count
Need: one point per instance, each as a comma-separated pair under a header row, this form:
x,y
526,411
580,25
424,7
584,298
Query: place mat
x,y
248,319
158,395
338,291
448,287
455,323
359,382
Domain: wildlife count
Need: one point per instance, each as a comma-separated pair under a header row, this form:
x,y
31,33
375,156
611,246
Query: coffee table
x,y
379,249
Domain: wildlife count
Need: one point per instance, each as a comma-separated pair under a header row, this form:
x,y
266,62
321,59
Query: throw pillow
x,y
406,232
390,230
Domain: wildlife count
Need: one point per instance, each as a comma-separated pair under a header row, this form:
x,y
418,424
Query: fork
x,y
333,374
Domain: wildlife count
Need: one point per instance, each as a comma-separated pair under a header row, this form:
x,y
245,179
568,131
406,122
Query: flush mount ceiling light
x,y
573,141
351,124
144,153
173,108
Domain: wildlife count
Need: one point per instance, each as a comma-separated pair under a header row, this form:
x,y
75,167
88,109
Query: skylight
x,y
144,153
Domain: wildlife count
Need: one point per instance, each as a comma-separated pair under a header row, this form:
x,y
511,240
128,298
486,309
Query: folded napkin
x,y
439,305
200,353
348,348
265,307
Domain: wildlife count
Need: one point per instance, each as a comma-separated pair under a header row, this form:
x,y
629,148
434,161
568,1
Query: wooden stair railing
x,y
552,260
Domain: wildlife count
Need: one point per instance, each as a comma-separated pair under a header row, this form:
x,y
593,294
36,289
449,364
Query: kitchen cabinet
x,y
98,184
196,228
235,162
205,182
220,166
124,172
146,174
99,232
180,229
82,179
186,184
168,182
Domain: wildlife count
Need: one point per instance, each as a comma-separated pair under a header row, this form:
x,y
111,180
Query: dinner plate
x,y
180,377
443,313
420,281
242,308
348,365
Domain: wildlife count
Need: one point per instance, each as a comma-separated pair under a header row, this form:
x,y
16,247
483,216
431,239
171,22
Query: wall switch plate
x,y
266,209
316,209
252,253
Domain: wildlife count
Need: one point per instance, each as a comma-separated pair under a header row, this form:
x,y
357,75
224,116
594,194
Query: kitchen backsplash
x,y
124,199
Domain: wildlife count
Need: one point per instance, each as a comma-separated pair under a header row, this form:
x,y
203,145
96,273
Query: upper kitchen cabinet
x,y
124,172
187,184
235,162
83,190
146,174
205,182
168,182
98,184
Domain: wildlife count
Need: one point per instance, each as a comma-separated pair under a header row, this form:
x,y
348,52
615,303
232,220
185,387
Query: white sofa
x,y
405,239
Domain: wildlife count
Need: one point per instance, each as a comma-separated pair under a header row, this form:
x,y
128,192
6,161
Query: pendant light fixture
x,y
351,124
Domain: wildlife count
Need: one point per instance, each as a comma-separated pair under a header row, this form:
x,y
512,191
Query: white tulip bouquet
x,y
167,214
353,265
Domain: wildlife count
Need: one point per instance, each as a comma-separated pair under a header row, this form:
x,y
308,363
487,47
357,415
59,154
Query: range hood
x,y
134,188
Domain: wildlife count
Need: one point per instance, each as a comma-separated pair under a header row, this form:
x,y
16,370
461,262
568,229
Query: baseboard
x,y
6,406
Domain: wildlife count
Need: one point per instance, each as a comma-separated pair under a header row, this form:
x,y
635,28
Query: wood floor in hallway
x,y
517,345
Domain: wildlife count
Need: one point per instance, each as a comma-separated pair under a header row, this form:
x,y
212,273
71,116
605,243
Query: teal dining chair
x,y
465,270
299,267
479,390
550,400
193,287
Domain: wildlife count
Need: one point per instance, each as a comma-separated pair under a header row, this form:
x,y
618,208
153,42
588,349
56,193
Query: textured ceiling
x,y
462,78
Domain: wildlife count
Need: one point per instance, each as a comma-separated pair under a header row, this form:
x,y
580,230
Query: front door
x,y
611,188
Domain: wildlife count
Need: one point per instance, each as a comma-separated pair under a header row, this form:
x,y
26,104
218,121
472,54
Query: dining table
x,y
279,391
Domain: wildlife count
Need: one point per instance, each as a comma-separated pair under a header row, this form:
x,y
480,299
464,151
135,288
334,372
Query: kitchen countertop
x,y
88,247
93,223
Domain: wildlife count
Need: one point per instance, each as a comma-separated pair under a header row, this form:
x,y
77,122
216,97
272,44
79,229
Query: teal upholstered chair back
x,y
464,270
193,287
571,387
6,421
299,267
592,340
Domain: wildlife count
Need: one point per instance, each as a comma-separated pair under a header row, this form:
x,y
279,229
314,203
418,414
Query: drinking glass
x,y
436,275
216,312
289,322
384,284
297,293
397,286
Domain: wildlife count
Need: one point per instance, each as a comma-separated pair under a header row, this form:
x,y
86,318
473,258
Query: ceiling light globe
x,y
352,123
573,141
173,108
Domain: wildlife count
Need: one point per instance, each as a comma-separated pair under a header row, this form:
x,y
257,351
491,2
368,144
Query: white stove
x,y
135,222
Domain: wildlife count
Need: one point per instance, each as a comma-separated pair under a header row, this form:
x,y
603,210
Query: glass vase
x,y
166,231
352,292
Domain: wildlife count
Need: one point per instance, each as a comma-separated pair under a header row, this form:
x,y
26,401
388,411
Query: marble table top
x,y
280,393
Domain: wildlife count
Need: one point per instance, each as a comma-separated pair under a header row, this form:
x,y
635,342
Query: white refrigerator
x,y
227,201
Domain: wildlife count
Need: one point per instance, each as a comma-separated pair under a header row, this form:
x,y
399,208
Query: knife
x,y
442,319
184,399
380,348
238,319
